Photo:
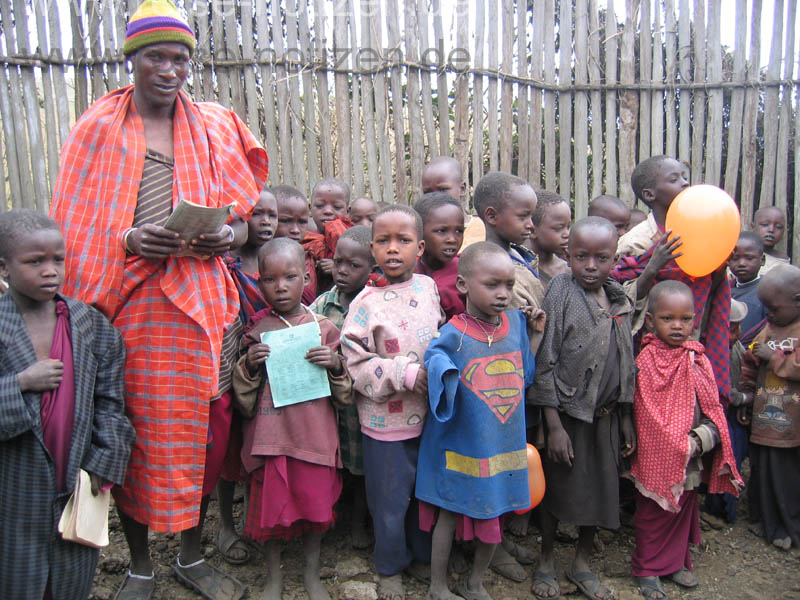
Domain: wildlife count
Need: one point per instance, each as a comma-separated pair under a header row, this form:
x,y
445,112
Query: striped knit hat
x,y
154,22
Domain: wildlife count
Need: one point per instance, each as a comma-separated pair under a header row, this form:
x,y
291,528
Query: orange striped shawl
x,y
217,161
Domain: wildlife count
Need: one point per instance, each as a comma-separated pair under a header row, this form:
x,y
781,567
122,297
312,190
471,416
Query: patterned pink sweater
x,y
384,338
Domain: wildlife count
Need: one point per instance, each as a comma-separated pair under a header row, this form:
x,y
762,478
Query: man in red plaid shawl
x,y
128,161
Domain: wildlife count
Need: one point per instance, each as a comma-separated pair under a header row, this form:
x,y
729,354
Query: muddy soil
x,y
732,563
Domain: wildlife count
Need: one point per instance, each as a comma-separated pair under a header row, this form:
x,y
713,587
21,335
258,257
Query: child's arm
x,y
112,433
338,377
536,319
15,417
666,250
248,376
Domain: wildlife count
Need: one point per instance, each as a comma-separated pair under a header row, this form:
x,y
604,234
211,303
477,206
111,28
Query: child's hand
x,y
694,446
325,265
666,250
325,357
421,382
628,436
98,483
536,318
41,376
559,446
743,415
762,351
256,355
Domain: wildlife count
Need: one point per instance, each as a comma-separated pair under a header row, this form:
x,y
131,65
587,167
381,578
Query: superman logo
x,y
498,381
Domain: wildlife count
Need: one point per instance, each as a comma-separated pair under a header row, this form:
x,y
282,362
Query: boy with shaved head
x,y
769,223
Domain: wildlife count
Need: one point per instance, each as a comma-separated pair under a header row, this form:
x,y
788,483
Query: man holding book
x,y
131,158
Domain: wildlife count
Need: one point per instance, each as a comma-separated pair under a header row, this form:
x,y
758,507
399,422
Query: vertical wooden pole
x,y
645,74
565,100
749,142
714,136
368,99
672,69
477,96
461,131
323,90
507,88
628,105
535,122
771,110
416,149
233,52
523,91
268,93
442,87
596,99
550,149
50,123
786,121
396,81
283,110
581,186
699,95
357,182
657,97
428,57
737,101
611,47
492,124
295,105
685,96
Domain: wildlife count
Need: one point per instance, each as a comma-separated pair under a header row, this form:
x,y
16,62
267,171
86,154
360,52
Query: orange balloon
x,y
708,222
535,479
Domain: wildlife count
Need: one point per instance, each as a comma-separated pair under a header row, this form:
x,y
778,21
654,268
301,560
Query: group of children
x,y
443,362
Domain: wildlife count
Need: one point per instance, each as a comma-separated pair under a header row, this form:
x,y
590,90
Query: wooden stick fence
x,y
563,93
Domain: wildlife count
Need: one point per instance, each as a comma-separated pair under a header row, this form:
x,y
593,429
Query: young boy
x,y
613,209
477,352
637,216
329,200
384,339
362,211
243,265
550,235
771,377
646,255
769,223
505,204
353,264
679,418
291,452
745,264
293,218
444,174
584,384
62,411
443,232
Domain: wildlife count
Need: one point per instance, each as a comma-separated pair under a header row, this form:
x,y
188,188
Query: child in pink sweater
x,y
384,338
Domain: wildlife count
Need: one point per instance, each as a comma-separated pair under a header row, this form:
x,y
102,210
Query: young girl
x,y
292,453
478,370
353,267
679,418
550,234
243,265
61,410
584,384
443,232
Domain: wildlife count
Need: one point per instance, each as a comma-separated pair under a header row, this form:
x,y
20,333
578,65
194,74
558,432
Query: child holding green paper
x,y
291,453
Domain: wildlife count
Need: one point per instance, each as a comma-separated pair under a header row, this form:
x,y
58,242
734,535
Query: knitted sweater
x,y
384,339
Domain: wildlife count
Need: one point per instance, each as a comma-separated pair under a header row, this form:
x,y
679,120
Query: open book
x,y
190,220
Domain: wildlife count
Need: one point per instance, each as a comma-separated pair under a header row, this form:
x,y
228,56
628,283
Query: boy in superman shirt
x,y
472,466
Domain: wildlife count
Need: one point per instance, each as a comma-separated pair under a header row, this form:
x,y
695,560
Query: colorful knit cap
x,y
155,22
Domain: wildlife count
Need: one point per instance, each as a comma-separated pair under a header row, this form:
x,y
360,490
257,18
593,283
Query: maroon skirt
x,y
488,531
290,497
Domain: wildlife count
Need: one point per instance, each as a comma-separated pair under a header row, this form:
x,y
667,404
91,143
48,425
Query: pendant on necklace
x,y
490,339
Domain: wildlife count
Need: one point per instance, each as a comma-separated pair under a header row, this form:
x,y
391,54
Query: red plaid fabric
x,y
171,314
715,337
669,382
319,246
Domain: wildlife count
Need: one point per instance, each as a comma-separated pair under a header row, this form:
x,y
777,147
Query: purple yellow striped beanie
x,y
155,22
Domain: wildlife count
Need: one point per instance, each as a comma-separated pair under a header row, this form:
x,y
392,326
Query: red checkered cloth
x,y
715,336
669,383
172,314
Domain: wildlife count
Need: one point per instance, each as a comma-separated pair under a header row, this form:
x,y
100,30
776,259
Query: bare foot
x,y
273,589
518,524
314,587
782,543
391,588
442,594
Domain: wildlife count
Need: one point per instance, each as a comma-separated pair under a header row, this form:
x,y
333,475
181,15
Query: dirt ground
x,y
731,563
